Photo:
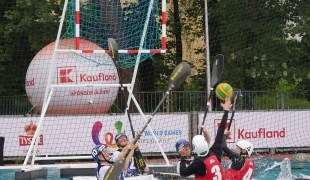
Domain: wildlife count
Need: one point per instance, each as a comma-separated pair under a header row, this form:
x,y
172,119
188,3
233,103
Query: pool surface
x,y
271,169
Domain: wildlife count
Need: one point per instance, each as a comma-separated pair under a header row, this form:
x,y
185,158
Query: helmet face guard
x,y
97,150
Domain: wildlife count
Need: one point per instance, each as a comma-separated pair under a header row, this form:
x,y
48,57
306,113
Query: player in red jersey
x,y
241,166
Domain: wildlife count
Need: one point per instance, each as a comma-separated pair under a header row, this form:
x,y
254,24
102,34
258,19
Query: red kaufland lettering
x,y
26,140
261,133
99,77
30,82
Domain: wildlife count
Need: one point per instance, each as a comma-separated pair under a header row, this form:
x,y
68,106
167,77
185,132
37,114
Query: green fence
x,y
183,101
15,105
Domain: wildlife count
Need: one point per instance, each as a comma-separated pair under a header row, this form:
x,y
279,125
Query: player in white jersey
x,y
101,155
122,141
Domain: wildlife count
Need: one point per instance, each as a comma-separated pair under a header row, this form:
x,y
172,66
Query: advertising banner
x,y
265,129
75,135
72,135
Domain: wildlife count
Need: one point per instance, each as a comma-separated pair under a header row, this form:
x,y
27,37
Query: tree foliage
x,y
255,38
266,44
26,27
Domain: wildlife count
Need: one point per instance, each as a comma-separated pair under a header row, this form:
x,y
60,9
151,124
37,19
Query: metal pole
x,y
208,74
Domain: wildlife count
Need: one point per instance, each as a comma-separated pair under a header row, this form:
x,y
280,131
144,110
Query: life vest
x,y
214,170
245,173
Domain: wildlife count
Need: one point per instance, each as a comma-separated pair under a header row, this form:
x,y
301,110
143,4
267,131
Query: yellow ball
x,y
223,90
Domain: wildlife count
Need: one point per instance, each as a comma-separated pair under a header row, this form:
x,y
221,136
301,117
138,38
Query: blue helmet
x,y
119,135
180,143
96,151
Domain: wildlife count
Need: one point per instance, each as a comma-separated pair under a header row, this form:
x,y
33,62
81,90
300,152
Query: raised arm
x,y
237,161
217,146
205,133
125,149
231,154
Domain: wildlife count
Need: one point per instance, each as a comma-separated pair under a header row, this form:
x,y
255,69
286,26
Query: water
x,y
271,169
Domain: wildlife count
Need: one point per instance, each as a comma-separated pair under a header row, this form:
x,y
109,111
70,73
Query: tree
x,y
254,40
26,27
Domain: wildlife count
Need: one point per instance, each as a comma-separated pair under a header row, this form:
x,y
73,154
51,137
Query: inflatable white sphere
x,y
72,69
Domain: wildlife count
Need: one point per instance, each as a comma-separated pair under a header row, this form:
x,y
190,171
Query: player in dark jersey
x,y
207,166
184,149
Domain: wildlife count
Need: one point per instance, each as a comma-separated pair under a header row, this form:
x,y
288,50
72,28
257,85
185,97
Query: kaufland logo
x,y
67,74
250,133
261,132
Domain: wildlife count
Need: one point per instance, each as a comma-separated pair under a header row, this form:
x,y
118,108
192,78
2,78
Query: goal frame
x,y
50,86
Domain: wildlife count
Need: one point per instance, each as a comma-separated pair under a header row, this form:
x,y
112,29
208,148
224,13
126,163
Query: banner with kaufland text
x,y
77,135
264,129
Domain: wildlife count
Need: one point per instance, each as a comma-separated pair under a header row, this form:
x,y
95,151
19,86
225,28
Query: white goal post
x,y
84,70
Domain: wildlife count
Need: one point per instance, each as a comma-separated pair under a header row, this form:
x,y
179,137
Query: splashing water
x,y
285,173
285,169
276,164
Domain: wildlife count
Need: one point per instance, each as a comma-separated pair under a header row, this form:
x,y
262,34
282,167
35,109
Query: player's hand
x,y
136,145
146,169
200,127
227,104
131,146
227,133
139,133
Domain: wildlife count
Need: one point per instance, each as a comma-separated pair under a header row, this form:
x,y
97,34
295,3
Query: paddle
x,y
138,158
178,76
217,71
234,108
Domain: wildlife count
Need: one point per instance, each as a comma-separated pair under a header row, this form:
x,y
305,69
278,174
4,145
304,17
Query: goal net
x,y
136,25
73,83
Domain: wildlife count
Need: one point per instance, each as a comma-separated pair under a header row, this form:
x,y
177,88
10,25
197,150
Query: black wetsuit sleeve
x,y
183,164
237,161
196,167
216,148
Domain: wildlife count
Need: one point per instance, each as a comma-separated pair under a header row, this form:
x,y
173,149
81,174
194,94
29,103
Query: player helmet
x,y
180,143
200,145
120,135
244,144
97,150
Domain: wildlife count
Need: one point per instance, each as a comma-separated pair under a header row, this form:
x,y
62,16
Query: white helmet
x,y
244,144
200,145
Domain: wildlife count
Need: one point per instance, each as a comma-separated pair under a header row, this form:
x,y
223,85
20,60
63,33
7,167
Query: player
x,y
121,140
101,155
183,148
241,166
207,166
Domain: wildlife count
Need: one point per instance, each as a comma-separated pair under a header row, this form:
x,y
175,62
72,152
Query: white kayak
x,y
142,177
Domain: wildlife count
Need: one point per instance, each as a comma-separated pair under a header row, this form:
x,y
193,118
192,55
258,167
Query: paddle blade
x,y
139,160
113,50
179,75
115,170
217,69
